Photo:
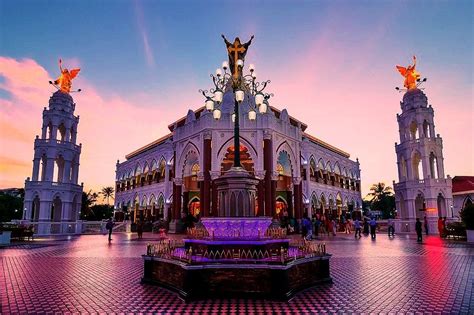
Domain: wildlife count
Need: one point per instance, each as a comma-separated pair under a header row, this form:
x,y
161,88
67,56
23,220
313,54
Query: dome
x,y
413,99
62,102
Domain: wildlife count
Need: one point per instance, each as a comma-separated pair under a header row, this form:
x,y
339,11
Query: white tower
x,y
53,196
423,189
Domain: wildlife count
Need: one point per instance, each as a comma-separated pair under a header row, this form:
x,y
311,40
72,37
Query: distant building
x,y
463,193
52,196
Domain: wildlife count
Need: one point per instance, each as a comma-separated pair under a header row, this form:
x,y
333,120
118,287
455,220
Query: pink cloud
x,y
348,100
110,125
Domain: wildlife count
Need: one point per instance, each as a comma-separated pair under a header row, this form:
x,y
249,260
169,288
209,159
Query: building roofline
x,y
326,145
148,146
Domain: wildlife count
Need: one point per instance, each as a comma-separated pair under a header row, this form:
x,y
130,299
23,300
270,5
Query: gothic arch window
x,y
434,166
62,132
44,162
50,130
417,166
312,169
414,132
426,129
58,172
403,168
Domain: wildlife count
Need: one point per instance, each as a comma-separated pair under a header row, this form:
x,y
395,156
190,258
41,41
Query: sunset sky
x,y
331,63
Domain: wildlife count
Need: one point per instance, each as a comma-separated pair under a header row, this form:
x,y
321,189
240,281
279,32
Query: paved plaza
x,y
86,274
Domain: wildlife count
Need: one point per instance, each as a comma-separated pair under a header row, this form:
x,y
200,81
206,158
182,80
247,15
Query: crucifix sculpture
x,y
236,51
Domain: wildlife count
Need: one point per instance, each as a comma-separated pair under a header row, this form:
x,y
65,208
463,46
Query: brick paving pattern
x,y
87,275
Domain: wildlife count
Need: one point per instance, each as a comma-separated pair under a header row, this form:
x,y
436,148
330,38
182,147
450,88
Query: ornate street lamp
x,y
243,86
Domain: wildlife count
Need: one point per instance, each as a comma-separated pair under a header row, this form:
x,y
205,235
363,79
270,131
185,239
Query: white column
x,y
36,166
49,170
67,172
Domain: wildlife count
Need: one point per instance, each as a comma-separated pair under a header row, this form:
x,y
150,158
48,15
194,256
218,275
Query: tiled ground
x,y
87,274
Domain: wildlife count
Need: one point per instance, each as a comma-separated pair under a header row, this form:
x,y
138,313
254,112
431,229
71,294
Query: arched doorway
x,y
281,206
441,206
420,206
284,184
191,185
35,208
338,205
194,206
315,207
322,205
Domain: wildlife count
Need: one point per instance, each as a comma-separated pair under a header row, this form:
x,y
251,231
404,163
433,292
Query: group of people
x,y
322,225
441,228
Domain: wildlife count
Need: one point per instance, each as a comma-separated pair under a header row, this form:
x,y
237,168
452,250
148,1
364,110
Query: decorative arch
x,y
223,149
144,201
189,150
417,165
321,164
285,147
153,165
138,170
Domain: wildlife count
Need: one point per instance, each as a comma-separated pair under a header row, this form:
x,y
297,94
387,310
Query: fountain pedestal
x,y
236,193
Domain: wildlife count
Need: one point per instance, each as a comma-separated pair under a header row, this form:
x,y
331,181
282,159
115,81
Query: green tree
x,y
382,199
107,192
11,207
88,200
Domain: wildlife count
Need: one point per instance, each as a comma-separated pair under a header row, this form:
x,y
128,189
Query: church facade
x,y
296,172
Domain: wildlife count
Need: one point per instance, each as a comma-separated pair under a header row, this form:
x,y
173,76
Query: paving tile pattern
x,y
88,275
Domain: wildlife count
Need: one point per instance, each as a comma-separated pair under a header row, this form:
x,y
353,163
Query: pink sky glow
x,y
353,108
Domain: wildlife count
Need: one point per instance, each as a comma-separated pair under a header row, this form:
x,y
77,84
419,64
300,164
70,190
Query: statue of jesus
x,y
236,51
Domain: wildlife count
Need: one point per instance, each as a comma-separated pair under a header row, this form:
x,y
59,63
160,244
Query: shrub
x,y
467,216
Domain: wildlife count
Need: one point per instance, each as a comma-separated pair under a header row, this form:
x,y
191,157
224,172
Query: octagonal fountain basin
x,y
237,227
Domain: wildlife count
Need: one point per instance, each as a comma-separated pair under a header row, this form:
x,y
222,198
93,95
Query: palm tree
x,y
107,192
88,199
379,191
382,199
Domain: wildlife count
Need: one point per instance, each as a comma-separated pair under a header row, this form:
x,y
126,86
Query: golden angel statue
x,y
65,79
410,74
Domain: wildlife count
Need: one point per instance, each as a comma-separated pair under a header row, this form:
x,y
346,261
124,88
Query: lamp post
x,y
243,86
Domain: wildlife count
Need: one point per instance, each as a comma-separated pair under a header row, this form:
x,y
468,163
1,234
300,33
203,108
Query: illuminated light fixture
x,y
218,95
225,65
259,98
218,72
252,115
209,104
240,63
216,114
252,67
263,107
239,96
233,117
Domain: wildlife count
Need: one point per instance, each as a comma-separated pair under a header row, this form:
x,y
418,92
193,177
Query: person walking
x,y
373,226
425,221
357,227
317,223
109,226
440,227
140,229
391,228
419,232
366,227
334,227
